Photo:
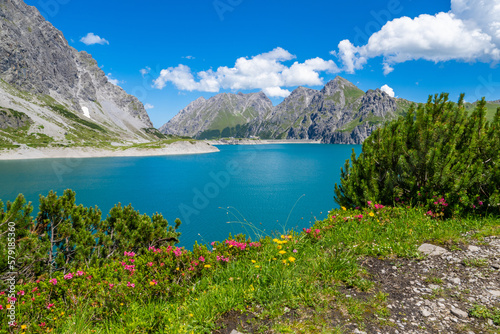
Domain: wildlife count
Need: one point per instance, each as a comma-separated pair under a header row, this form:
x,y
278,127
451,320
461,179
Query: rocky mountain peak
x,y
377,103
223,113
335,85
36,59
339,113
198,102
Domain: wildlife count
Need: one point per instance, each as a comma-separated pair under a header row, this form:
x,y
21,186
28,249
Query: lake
x,y
272,187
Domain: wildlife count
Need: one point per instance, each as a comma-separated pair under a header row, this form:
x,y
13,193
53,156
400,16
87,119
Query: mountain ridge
x,y
63,92
339,113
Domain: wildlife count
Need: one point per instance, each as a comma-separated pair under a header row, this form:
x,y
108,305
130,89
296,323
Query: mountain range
x,y
53,95
339,113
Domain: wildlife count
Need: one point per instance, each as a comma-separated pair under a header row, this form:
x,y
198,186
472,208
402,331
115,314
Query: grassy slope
x,y
309,274
84,132
491,109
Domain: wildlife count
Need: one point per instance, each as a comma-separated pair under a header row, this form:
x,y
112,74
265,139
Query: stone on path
x,y
432,250
357,331
459,313
473,248
425,312
495,293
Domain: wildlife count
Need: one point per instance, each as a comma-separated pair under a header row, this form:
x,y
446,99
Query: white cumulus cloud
x,y
91,39
265,71
148,106
276,92
469,32
114,81
388,90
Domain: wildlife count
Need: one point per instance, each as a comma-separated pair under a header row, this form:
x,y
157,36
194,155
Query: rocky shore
x,y
238,141
176,148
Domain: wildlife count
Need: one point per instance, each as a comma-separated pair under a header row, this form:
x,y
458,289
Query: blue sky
x,y
168,53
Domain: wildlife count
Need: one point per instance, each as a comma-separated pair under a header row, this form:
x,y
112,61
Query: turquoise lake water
x,y
259,183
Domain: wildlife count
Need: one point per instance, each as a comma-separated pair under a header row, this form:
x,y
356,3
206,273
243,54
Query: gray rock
x,y
13,119
495,293
472,248
459,313
432,250
234,331
357,331
425,312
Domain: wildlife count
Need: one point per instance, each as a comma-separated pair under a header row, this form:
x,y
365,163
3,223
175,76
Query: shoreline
x,y
176,148
261,141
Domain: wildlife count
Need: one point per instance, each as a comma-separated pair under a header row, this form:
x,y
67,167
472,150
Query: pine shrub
x,y
439,156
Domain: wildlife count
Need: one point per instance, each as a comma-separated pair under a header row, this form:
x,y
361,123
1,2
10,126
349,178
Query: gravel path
x,y
435,295
432,295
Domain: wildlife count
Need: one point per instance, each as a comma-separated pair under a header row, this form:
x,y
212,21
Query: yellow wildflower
x,y
274,258
343,208
279,247
257,266
371,214
253,261
191,314
275,240
251,287
23,326
207,266
291,259
284,261
282,252
62,313
177,268
283,237
8,306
